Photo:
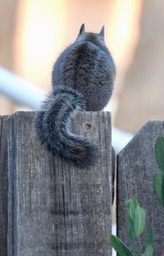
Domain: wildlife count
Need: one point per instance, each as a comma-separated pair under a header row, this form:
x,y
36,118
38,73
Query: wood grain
x,y
57,209
3,185
136,167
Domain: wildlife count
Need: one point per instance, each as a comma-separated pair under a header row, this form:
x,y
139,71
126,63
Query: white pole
x,y
25,93
19,90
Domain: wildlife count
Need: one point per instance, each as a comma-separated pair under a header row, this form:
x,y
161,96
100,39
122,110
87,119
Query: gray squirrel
x,y
82,80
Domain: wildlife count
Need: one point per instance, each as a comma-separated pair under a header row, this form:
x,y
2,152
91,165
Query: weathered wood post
x,y
3,185
136,167
54,209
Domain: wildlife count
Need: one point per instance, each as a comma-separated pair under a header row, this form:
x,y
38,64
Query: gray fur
x,y
82,79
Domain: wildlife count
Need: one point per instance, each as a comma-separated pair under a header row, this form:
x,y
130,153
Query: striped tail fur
x,y
51,125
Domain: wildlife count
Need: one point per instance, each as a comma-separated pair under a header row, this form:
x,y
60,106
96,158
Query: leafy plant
x,y
136,223
136,214
119,246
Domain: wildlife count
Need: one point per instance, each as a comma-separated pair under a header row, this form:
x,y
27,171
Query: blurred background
x,y
34,32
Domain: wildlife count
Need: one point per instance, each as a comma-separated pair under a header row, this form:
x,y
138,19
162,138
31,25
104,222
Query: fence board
x,y
3,185
56,209
136,166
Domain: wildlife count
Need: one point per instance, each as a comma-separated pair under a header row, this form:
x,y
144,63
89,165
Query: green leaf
x,y
148,250
131,205
139,221
159,186
131,232
119,246
159,152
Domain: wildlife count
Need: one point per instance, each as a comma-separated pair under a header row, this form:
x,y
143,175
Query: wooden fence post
x,y
54,209
3,185
136,167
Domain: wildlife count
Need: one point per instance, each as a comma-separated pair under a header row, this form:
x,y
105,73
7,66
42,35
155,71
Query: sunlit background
x,y
34,32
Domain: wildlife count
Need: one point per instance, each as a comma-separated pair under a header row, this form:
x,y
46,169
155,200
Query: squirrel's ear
x,y
102,32
82,29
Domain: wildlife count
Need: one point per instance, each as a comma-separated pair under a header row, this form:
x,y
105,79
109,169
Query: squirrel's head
x,y
89,36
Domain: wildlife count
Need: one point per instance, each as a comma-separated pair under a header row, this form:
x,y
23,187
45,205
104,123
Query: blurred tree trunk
x,y
143,87
7,28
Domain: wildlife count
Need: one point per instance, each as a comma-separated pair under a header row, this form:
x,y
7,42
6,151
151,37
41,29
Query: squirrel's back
x,y
88,67
82,79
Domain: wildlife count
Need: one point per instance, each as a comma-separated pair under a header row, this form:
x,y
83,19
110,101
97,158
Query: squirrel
x,y
82,80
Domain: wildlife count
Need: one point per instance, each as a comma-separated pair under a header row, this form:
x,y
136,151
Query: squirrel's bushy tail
x,y
52,122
